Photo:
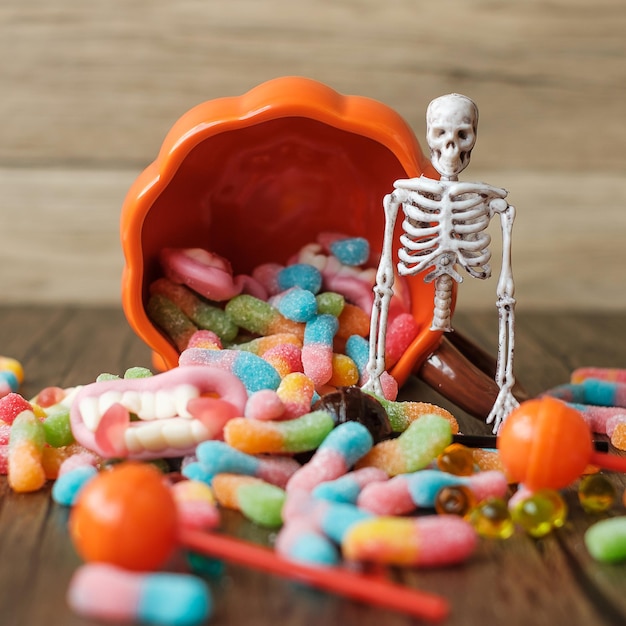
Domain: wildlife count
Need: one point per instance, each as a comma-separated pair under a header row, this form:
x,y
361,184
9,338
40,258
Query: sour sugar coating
x,y
296,391
353,320
204,315
345,371
253,371
317,348
265,404
302,434
401,332
11,405
592,391
414,449
330,302
106,592
300,275
261,345
357,348
259,317
171,320
407,492
351,251
256,499
218,457
285,358
266,274
296,304
346,488
431,541
403,414
611,374
26,443
300,541
57,428
606,540
339,451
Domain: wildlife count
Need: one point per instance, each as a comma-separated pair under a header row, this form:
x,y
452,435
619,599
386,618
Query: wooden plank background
x,y
89,89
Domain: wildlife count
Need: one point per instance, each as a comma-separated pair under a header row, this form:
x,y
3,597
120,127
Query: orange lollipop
x,y
546,444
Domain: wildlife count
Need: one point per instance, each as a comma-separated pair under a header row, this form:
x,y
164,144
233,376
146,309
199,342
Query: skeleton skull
x,y
451,124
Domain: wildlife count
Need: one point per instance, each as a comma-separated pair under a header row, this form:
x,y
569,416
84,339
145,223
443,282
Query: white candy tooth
x,y
148,402
164,404
130,439
199,431
182,395
107,400
150,436
132,401
90,413
177,433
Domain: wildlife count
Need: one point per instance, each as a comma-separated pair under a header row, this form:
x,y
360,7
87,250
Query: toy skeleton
x,y
445,224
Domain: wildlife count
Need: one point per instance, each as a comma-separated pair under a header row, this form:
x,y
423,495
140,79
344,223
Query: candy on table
x,y
340,450
296,304
67,486
296,391
317,348
330,302
218,457
171,320
8,382
596,493
252,370
613,374
345,372
487,459
106,592
347,404
455,500
11,405
606,540
406,492
58,460
204,315
301,542
259,317
414,449
301,434
9,364
300,275
195,504
430,541
57,428
26,443
492,519
456,459
403,414
401,332
346,488
285,358
540,512
258,500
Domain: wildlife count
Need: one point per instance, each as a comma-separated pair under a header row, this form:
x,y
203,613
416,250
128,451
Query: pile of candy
x,y
265,415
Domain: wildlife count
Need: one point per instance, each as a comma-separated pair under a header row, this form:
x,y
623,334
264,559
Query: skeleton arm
x,y
383,291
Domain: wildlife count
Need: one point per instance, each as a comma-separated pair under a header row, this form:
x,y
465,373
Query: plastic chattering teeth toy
x,y
243,183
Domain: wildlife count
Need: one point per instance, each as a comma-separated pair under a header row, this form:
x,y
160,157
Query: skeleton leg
x,y
505,402
383,291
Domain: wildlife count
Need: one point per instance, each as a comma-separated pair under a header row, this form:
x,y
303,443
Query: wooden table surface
x,y
519,581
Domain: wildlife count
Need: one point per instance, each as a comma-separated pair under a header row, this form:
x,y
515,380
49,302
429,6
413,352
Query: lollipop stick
x,y
609,461
364,588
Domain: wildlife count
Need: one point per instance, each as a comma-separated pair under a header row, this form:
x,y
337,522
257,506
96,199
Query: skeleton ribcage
x,y
441,231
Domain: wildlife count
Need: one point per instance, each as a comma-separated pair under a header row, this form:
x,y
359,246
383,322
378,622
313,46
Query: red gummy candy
x,y
11,406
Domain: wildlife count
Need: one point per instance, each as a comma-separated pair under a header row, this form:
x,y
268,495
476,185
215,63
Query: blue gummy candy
x,y
339,518
255,372
313,548
174,599
217,457
300,275
351,439
67,486
321,329
353,251
10,379
344,490
423,486
297,304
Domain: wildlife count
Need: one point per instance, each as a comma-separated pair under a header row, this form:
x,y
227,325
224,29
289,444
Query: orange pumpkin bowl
x,y
254,178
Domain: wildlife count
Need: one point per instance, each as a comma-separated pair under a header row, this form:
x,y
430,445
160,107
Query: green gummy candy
x,y
330,302
250,313
262,504
305,432
137,372
424,440
606,540
57,429
27,427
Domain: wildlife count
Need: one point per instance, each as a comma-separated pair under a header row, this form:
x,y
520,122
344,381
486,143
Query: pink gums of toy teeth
x,y
176,410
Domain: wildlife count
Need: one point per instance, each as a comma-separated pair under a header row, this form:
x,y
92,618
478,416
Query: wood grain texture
x,y
88,90
518,582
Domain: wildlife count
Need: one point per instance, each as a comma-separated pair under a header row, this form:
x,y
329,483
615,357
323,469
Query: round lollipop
x,y
546,444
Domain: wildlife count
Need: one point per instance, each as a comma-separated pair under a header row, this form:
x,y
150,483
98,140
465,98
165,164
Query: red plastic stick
x,y
378,592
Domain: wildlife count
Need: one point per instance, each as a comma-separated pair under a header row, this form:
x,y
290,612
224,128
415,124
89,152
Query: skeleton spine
x,y
443,303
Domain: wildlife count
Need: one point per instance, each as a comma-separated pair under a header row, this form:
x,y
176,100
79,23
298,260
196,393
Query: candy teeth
x,y
90,413
132,401
107,400
177,433
150,436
